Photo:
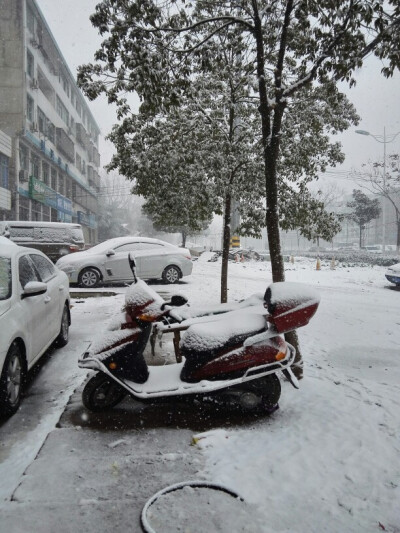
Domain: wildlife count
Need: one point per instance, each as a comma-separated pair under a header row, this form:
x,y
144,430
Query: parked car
x,y
54,239
34,312
108,262
393,274
373,248
317,249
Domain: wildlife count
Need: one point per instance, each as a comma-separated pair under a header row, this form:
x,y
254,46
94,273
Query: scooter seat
x,y
204,342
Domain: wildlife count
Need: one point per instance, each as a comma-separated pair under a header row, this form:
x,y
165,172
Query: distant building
x,y
49,156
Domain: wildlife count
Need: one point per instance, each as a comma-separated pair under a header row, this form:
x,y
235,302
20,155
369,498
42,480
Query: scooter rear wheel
x,y
102,393
258,395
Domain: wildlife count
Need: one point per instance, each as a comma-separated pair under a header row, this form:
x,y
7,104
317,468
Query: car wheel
x,y
89,278
62,338
171,275
11,381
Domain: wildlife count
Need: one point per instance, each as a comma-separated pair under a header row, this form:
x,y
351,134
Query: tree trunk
x,y
271,141
183,239
225,248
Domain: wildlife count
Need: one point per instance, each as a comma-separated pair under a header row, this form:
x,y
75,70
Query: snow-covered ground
x,y
328,459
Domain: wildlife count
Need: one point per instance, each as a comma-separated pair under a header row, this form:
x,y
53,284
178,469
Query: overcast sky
x,y
376,99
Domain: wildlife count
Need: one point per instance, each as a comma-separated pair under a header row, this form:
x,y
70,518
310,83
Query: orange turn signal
x,y
279,356
145,318
112,366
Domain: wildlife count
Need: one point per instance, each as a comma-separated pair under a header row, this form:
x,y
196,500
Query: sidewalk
x,y
94,473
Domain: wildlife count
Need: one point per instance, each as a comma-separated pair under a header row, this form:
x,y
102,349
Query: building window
x,y
78,107
53,179
68,188
51,131
61,184
23,208
41,121
46,214
3,171
36,210
30,64
23,157
35,166
30,108
30,20
62,111
45,173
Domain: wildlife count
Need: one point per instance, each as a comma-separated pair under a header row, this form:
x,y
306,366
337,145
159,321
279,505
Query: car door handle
x,y
47,300
61,288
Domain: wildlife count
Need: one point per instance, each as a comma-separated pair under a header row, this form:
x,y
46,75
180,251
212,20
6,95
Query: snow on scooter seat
x,y
209,336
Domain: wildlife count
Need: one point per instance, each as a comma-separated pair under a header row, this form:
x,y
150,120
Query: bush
x,y
357,258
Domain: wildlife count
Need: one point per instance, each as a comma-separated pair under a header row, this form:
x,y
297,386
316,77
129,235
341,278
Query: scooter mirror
x,y
177,300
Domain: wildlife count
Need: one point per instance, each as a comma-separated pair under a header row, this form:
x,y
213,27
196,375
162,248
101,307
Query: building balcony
x,y
65,145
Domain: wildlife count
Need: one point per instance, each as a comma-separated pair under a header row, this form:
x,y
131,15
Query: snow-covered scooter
x,y
229,353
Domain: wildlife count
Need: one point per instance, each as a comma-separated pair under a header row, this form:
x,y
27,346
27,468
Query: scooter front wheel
x,y
102,393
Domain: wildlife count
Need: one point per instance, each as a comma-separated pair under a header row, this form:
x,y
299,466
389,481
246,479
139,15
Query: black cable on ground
x,y
177,486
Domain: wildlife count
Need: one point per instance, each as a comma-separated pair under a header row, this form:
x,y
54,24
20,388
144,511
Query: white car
x,y
34,312
108,262
393,274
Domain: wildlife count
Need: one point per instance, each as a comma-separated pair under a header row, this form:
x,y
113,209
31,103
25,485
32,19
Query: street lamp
x,y
383,139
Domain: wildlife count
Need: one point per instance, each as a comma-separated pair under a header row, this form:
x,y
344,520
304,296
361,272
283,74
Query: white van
x,y
55,239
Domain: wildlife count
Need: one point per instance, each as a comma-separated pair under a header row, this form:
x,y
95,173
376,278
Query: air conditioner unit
x,y
34,127
34,84
23,175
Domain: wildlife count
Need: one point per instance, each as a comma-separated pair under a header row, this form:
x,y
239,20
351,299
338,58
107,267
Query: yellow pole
x,y
318,265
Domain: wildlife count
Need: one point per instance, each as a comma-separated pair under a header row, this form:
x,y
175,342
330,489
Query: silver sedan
x,y
108,262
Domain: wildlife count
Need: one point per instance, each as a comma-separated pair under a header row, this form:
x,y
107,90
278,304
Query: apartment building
x,y
49,156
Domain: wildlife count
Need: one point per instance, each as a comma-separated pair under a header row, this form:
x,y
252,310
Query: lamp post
x,y
383,139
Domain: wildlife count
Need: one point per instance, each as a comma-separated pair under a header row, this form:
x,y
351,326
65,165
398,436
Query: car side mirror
x,y
110,253
34,288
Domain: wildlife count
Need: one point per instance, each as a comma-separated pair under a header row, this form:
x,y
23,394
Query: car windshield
x,y
5,278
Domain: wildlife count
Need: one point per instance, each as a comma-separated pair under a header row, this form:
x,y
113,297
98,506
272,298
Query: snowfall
x,y
328,460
